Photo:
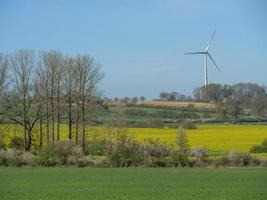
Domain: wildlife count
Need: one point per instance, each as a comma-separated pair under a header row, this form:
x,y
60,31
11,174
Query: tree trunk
x,y
24,123
58,114
47,122
53,113
77,127
70,117
29,143
41,130
83,124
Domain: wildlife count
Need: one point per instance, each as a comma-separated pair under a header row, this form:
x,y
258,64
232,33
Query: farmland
x,y
218,139
132,184
177,104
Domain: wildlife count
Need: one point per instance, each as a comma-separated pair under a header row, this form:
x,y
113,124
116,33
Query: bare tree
x,y
21,105
68,83
42,84
52,61
3,73
89,75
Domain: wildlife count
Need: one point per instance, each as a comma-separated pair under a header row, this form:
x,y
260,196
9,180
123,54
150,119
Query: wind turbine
x,y
206,55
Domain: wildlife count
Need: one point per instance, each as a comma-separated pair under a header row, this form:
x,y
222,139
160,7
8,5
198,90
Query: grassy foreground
x,y
130,184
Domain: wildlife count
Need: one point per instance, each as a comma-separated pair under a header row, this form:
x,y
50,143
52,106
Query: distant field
x,y
218,139
132,184
177,104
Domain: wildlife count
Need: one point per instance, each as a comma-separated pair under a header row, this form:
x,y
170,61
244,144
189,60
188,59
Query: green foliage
x,y
16,143
124,152
242,160
156,153
16,159
260,148
200,156
58,154
182,141
179,158
3,145
96,148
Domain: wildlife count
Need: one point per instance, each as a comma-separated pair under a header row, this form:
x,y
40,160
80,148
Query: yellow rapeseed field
x,y
218,139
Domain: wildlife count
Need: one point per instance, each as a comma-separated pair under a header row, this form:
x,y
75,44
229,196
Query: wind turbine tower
x,y
206,55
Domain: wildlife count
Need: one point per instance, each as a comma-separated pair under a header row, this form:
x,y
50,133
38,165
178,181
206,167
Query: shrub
x,y
87,161
16,143
200,155
260,148
3,158
264,143
182,141
242,160
16,159
222,161
58,154
156,153
263,163
2,145
188,124
96,148
124,152
179,158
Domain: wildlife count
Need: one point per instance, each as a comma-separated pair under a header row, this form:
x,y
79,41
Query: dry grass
x,y
177,104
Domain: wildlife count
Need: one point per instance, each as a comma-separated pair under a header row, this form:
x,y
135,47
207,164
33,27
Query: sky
x,y
140,44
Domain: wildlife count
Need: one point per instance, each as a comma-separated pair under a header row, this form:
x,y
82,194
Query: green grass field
x,y
218,139
132,184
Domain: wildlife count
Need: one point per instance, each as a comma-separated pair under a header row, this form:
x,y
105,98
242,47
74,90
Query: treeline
x,y
46,88
232,100
173,96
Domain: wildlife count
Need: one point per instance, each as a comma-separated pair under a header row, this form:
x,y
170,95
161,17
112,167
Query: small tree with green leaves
x,y
182,141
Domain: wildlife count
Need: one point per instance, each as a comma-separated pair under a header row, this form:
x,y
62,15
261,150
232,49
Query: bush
x,y
182,141
264,143
179,158
16,143
2,145
87,161
242,160
96,148
222,161
16,159
124,152
188,124
263,163
200,155
3,158
260,148
156,153
58,154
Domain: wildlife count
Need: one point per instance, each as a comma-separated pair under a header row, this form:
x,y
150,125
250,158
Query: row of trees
x,y
125,100
47,88
173,96
235,98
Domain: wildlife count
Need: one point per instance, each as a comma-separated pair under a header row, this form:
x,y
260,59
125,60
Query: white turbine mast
x,y
206,55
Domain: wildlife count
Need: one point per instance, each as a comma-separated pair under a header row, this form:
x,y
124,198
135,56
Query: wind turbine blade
x,y
200,52
214,63
211,40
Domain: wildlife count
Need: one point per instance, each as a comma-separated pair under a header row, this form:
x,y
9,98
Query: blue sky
x,y
141,43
